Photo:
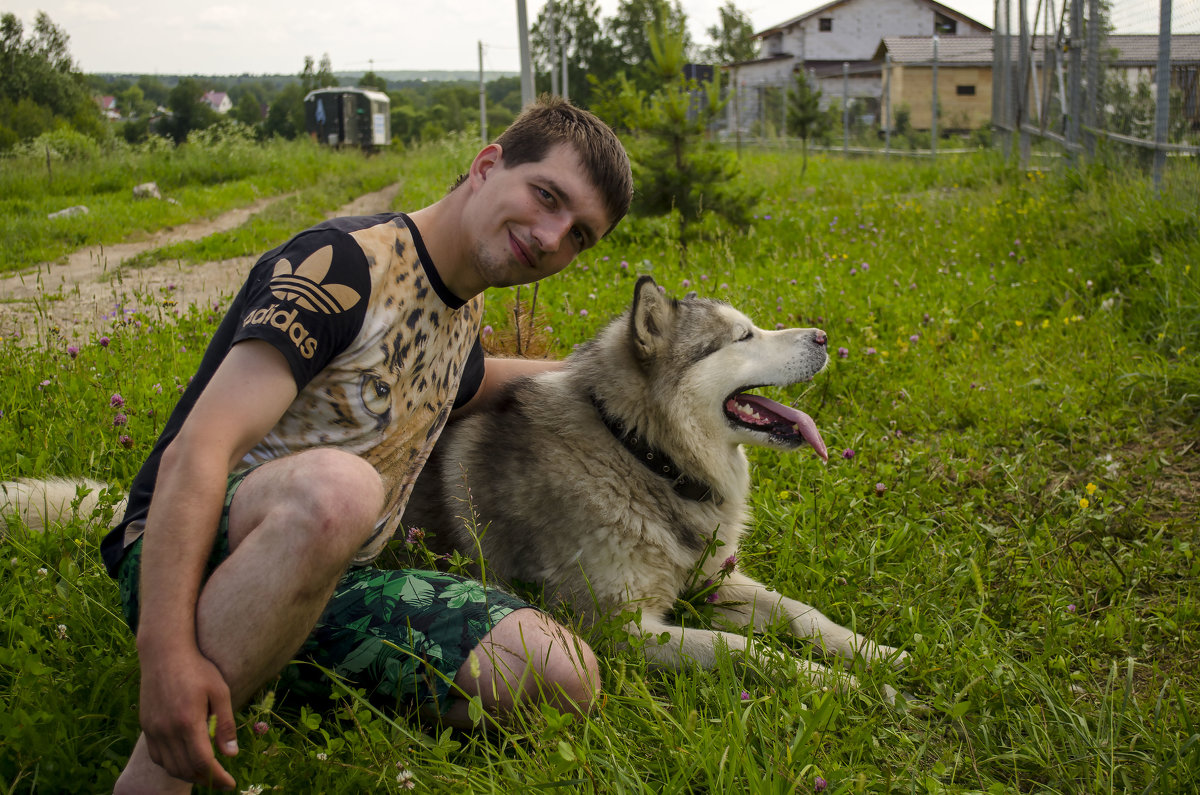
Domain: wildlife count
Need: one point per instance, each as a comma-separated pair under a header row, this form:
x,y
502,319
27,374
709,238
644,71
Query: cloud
x,y
90,11
221,17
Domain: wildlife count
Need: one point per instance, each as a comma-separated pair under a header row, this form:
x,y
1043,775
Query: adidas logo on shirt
x,y
305,288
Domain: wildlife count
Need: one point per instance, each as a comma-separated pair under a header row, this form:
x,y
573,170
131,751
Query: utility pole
x,y
562,49
483,132
527,93
553,41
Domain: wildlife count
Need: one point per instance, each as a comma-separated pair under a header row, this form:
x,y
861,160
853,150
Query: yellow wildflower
x,y
1090,488
1083,502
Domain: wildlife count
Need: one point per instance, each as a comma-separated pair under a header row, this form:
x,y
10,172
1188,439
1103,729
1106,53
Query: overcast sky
x,y
273,36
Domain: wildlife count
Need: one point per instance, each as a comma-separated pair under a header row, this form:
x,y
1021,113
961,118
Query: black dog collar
x,y
656,460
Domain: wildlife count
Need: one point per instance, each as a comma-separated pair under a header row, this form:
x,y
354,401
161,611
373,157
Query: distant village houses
x,y
108,107
218,101
835,45
878,56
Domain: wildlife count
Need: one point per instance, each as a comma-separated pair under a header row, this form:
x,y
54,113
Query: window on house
x,y
825,24
944,25
965,91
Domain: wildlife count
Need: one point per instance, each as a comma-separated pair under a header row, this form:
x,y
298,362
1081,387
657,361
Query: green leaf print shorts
x,y
400,634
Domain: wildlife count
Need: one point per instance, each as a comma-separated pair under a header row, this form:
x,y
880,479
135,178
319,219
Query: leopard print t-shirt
x,y
379,348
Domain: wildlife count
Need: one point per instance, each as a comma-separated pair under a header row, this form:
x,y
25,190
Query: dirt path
x,y
81,295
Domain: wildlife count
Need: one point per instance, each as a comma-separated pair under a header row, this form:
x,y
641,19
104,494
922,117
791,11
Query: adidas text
x,y
287,323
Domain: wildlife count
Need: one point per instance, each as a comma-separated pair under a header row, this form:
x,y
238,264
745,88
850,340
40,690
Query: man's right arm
x,y
180,687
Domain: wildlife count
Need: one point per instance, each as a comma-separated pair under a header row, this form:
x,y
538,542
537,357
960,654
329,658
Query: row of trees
x,y
41,89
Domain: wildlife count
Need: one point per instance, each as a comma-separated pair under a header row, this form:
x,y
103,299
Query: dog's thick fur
x,y
41,503
542,487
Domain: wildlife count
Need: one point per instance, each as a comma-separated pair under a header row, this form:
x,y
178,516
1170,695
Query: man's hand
x,y
178,694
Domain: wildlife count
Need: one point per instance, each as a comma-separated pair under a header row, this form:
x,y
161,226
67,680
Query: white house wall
x,y
858,27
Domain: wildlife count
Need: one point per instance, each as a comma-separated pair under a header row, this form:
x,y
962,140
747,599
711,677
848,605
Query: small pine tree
x,y
804,116
676,168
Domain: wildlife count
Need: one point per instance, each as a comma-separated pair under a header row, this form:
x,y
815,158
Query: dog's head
x,y
707,357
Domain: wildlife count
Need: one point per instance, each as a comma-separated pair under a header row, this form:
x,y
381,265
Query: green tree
x,y
677,169
36,73
285,116
325,77
804,116
373,81
592,58
631,29
188,110
132,103
155,90
308,75
733,37
249,109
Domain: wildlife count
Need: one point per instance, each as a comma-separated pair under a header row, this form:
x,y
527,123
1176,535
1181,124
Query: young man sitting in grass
x,y
285,467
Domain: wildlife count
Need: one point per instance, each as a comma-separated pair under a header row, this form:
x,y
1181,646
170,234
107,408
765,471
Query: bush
x,y
61,144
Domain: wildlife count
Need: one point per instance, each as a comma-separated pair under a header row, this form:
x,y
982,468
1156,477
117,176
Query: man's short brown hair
x,y
551,121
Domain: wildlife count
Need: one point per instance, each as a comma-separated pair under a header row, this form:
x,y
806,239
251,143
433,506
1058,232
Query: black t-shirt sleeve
x,y
472,376
307,298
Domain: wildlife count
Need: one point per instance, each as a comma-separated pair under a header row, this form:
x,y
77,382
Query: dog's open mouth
x,y
785,425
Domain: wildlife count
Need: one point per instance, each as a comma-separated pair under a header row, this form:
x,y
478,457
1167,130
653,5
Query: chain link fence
x,y
1054,78
1065,76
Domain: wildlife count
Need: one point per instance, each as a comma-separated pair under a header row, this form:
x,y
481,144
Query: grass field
x,y
1012,496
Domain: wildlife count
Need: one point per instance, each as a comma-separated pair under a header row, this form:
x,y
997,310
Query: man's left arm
x,y
496,373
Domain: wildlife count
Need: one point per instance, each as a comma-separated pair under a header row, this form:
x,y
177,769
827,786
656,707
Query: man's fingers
x,y
226,728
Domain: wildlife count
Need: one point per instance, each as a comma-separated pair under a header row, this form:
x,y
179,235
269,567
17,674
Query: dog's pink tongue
x,y
808,429
803,423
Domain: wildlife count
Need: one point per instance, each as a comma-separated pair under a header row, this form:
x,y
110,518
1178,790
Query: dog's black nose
x,y
820,338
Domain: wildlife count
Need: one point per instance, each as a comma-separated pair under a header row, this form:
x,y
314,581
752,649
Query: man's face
x,y
529,221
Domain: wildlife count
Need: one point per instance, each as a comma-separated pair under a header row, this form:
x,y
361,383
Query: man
x,y
288,460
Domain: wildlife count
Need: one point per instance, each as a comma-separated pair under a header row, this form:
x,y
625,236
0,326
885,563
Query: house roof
x,y
1133,49
951,49
946,10
1130,49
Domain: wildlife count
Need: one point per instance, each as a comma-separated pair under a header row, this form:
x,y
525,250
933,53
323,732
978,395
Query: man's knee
x,y
324,493
533,657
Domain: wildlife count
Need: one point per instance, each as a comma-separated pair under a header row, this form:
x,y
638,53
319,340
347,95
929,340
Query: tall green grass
x,y
197,180
1011,497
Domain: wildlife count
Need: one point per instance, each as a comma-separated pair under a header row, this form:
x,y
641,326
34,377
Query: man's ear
x,y
487,159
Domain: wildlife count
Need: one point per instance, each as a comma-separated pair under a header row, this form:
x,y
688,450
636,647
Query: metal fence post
x,y
933,104
1162,114
1075,82
887,105
845,107
1025,62
1093,75
997,72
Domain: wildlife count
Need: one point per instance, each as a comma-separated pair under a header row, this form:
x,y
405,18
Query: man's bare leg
x,y
294,525
525,658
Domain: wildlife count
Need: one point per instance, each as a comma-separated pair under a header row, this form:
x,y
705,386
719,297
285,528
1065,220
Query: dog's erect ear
x,y
650,318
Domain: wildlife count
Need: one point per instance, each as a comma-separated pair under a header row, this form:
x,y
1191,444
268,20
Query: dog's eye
x,y
742,334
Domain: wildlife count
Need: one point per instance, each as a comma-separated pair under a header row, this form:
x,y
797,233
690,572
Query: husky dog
x,y
604,482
